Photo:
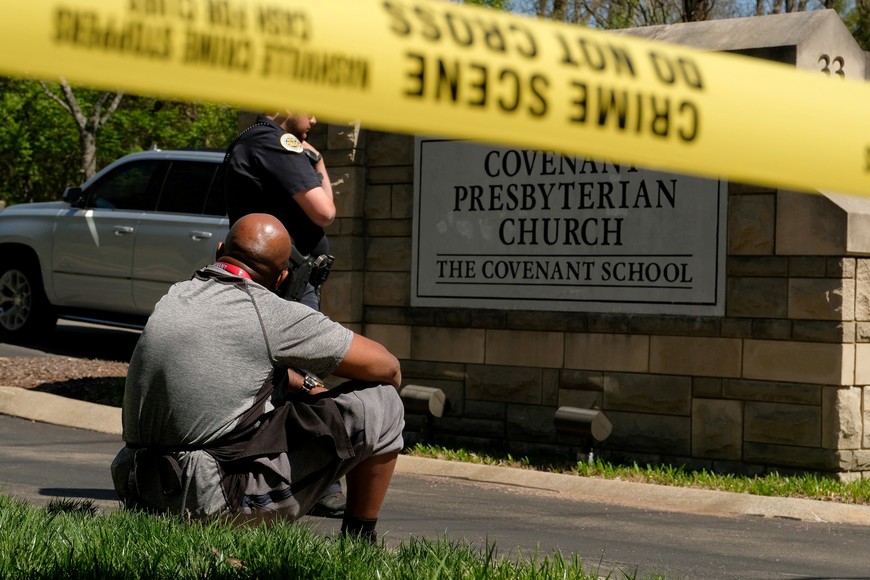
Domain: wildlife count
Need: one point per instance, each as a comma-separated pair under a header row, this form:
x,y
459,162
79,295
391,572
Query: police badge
x,y
291,143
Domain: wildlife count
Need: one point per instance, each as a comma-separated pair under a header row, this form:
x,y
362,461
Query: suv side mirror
x,y
73,196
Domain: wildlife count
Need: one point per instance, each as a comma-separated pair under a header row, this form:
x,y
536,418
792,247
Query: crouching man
x,y
217,424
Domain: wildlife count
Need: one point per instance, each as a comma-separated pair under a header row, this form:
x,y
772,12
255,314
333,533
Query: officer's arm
x,y
318,203
367,360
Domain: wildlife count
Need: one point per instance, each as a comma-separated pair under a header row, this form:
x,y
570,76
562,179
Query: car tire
x,y
25,312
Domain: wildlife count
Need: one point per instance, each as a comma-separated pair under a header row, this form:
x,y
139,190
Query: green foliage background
x,y
39,141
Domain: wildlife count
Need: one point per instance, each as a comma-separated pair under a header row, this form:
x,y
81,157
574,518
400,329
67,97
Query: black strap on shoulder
x,y
240,135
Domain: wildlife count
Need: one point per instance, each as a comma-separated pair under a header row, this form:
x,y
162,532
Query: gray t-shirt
x,y
206,351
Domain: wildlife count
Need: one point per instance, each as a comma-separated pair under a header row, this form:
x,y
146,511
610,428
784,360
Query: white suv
x,y
113,246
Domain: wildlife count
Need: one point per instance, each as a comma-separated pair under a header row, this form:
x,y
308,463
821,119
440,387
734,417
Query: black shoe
x,y
329,506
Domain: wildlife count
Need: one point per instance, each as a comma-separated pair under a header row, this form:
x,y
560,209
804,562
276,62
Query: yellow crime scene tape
x,y
443,69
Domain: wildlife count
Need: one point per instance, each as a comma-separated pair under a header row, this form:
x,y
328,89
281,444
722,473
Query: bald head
x,y
260,244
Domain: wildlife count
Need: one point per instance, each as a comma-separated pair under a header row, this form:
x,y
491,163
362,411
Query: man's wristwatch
x,y
310,381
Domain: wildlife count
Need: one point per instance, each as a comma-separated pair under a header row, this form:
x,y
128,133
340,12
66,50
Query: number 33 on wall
x,y
838,62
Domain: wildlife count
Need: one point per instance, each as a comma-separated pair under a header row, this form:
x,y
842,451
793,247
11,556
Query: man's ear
x,y
219,251
281,277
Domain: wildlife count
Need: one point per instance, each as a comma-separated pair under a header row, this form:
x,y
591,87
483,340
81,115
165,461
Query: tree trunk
x,y
88,144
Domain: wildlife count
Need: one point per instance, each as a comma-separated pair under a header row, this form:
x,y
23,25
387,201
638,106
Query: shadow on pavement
x,y
82,493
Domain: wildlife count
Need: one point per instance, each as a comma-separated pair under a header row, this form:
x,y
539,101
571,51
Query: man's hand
x,y
296,380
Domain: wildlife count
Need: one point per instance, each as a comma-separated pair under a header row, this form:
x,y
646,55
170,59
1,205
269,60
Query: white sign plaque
x,y
532,230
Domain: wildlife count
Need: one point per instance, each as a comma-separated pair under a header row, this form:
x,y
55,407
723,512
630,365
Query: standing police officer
x,y
271,168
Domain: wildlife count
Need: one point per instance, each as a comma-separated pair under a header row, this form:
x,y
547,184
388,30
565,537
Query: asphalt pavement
x,y
55,447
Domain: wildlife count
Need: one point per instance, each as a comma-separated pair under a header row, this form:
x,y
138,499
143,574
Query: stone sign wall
x,y
778,380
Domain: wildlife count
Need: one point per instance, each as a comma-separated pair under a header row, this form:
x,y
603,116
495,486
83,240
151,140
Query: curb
x,y
57,410
48,408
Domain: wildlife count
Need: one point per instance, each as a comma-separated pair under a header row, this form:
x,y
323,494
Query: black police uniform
x,y
261,175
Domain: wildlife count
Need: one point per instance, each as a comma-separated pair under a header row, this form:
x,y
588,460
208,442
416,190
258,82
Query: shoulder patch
x,y
291,143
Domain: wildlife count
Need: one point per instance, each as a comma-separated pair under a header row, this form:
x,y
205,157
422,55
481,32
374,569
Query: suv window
x,y
186,187
127,187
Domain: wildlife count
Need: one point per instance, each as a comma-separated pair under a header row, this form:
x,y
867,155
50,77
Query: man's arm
x,y
367,360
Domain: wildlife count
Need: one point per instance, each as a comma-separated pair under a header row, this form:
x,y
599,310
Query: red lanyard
x,y
234,270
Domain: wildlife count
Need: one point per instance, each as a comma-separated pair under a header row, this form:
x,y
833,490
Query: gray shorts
x,y
282,486
374,420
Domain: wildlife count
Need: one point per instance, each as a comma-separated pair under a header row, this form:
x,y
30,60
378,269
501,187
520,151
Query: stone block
x,y
735,327
821,299
842,420
607,352
349,252
504,384
447,344
757,266
378,199
344,136
388,255
550,387
581,399
390,175
840,267
771,328
665,395
342,297
809,225
717,429
494,410
862,364
865,397
390,229
395,338
581,380
453,317
530,423
772,392
703,387
389,149
757,297
646,433
387,289
862,290
427,370
615,323
751,224
799,362
675,325
823,331
780,423
862,332
490,429
807,267
532,320
811,458
525,348
695,356
348,189
402,196
392,315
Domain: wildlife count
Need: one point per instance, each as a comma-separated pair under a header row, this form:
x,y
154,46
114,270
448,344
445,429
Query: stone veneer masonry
x,y
778,382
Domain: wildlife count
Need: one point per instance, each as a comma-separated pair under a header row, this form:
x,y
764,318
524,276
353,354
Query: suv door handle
x,y
122,230
200,235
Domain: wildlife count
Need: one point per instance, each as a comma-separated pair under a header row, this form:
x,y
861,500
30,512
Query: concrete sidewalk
x,y
58,410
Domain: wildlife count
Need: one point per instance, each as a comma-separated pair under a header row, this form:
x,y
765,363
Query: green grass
x,y
69,539
807,485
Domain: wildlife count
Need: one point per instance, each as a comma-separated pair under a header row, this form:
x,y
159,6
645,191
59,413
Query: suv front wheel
x,y
24,309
